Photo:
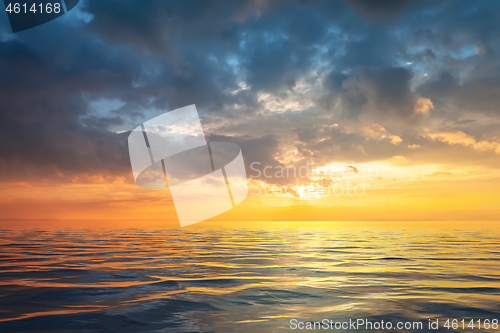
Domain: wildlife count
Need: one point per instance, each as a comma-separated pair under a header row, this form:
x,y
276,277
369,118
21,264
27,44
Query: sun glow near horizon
x,y
390,189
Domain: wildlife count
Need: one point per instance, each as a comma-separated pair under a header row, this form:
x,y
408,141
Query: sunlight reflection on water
x,y
245,280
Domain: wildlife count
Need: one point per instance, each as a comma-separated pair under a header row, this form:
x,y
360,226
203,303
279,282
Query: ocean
x,y
263,279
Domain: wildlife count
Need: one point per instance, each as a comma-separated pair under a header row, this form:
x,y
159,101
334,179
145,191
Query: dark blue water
x,y
244,280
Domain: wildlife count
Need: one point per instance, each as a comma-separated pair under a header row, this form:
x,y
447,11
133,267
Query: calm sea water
x,y
243,280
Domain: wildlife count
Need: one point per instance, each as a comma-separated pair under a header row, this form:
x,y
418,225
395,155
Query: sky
x,y
395,99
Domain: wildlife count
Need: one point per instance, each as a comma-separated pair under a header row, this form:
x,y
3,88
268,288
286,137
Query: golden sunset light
x,y
219,166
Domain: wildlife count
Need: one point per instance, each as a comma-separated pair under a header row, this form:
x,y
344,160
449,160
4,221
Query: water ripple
x,y
243,280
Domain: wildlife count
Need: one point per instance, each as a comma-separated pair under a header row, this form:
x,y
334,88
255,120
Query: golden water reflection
x,y
225,280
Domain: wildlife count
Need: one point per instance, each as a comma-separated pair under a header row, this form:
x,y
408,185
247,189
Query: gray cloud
x,y
274,75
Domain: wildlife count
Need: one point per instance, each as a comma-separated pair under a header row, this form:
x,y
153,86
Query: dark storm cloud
x,y
380,9
386,90
257,150
167,27
275,75
40,104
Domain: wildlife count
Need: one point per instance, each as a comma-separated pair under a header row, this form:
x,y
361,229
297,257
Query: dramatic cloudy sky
x,y
405,83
